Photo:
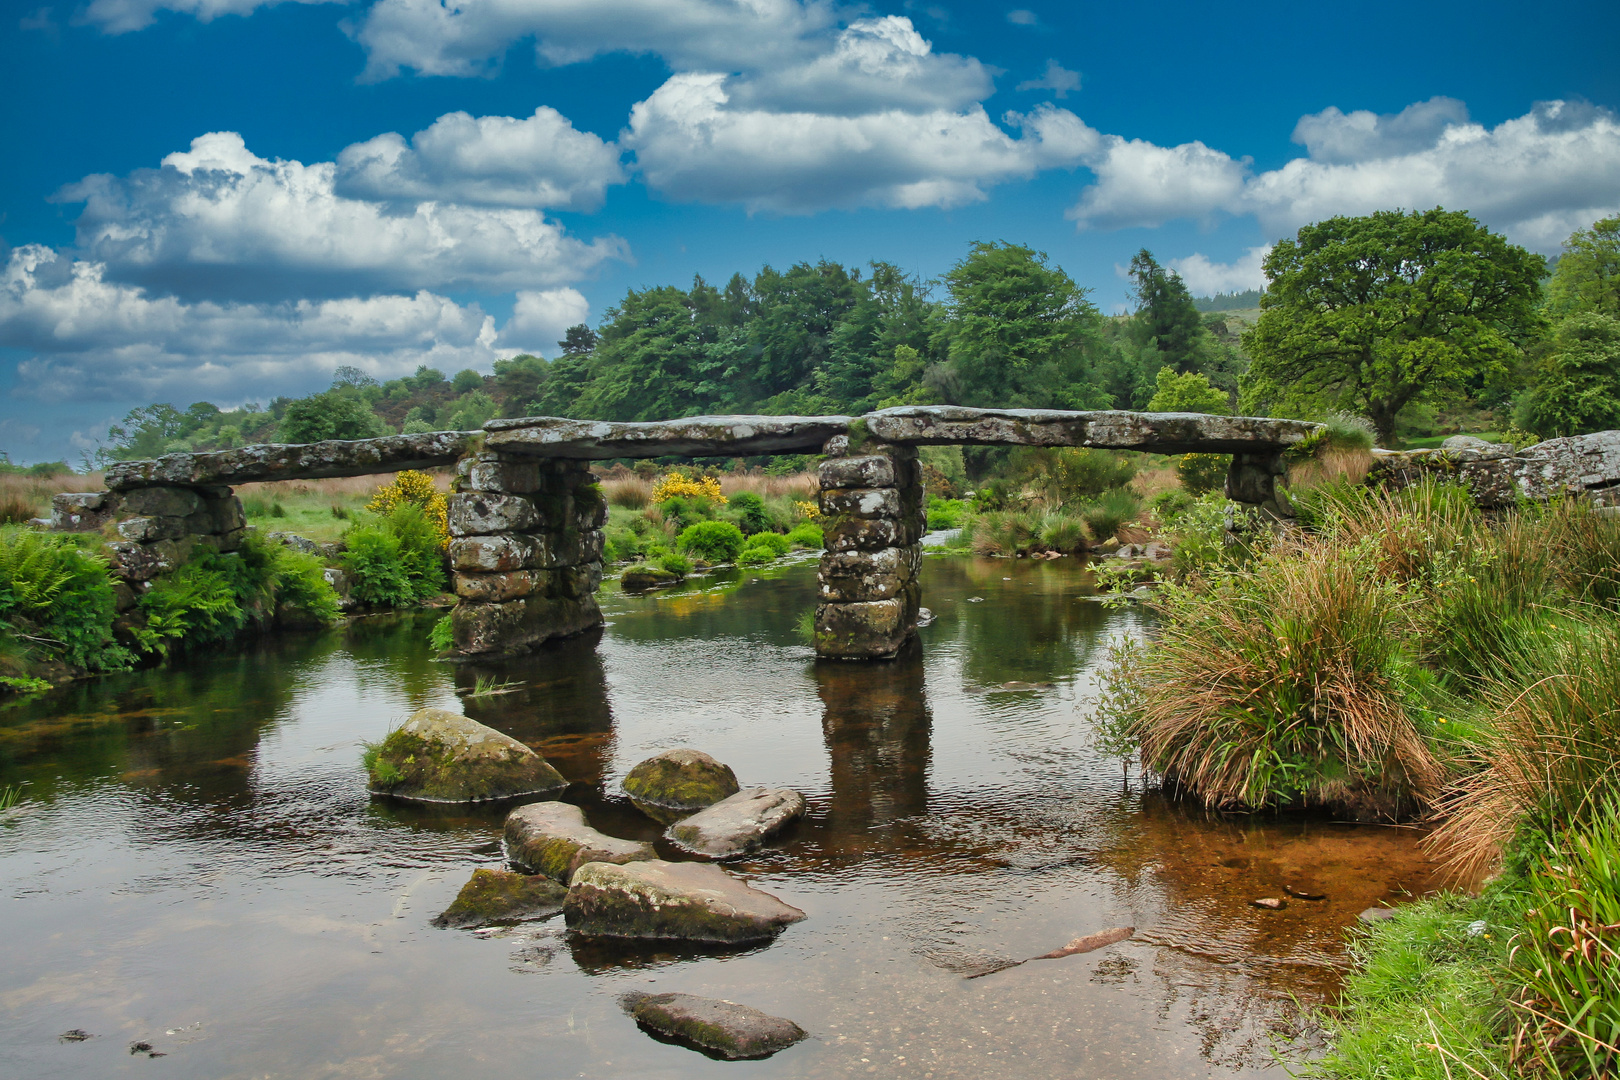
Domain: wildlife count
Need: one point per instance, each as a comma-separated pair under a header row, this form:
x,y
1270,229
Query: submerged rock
x,y
737,825
552,838
1375,915
1270,903
675,783
672,901
721,1028
441,756
502,896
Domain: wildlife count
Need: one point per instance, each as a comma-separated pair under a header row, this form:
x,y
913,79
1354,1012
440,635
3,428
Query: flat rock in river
x,y
678,901
502,896
552,838
721,1028
675,783
444,757
737,825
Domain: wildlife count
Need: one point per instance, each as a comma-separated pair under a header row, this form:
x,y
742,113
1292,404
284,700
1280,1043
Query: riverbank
x,y
1404,658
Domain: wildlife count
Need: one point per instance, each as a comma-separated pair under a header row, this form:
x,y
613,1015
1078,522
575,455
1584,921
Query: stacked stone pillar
x,y
1252,479
873,518
525,552
166,523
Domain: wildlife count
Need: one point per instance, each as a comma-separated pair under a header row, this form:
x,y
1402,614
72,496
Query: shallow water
x,y
197,864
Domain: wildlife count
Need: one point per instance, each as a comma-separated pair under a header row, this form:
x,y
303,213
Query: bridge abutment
x,y
872,518
525,552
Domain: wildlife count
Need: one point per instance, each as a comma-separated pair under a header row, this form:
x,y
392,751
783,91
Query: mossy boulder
x,y
646,576
670,785
738,825
672,901
443,757
721,1029
552,838
494,896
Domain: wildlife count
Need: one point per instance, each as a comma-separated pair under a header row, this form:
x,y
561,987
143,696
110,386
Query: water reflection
x,y
875,719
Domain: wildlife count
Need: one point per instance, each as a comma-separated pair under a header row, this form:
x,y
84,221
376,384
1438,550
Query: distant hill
x,y
1236,301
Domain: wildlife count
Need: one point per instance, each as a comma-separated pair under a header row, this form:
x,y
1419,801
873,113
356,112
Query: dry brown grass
x,y
1154,480
24,497
1348,465
337,487
1548,748
624,487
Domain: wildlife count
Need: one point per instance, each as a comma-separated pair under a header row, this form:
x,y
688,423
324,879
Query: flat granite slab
x,y
1159,433
694,436
294,461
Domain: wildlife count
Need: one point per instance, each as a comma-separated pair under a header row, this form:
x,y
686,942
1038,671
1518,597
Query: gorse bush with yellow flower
x,y
418,489
678,486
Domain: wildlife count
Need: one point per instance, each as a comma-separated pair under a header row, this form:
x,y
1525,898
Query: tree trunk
x,y
1383,421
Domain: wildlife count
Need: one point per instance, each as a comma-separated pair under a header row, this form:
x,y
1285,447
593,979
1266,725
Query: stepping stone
x,y
502,896
552,838
438,756
722,1029
675,783
675,901
737,825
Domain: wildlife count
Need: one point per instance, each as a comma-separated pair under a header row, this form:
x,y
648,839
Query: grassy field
x,y
318,509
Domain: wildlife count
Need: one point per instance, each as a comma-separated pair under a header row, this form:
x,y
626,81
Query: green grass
x,y
311,512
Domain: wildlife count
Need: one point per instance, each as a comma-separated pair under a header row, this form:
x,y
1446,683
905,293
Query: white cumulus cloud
x,y
541,317
1206,278
122,16
1057,78
1536,177
692,144
472,36
95,338
218,221
540,161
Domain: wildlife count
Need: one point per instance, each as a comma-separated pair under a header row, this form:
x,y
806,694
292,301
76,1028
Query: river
x,y
196,864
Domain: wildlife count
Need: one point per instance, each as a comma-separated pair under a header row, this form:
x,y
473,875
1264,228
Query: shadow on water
x,y
197,863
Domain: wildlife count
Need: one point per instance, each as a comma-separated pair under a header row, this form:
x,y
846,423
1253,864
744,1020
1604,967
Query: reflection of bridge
x,y
526,521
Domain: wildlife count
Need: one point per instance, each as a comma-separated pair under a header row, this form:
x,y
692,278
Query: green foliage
x,y
1018,332
1060,476
1575,387
58,599
749,512
1587,278
1201,474
22,684
1110,511
945,513
1167,318
1373,313
1190,392
194,605
442,636
711,541
775,543
336,414
394,559
675,564
755,557
806,534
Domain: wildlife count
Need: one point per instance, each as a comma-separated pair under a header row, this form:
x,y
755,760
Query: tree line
x,y
1363,315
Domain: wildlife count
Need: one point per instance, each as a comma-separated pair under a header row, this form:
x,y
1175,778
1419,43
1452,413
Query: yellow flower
x,y
411,486
676,486
807,509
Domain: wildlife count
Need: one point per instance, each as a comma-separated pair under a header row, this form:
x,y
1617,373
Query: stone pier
x,y
872,519
525,552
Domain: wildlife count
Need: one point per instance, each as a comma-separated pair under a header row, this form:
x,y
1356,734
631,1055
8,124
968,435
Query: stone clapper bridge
x,y
526,517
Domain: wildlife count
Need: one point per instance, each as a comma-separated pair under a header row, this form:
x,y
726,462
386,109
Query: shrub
x,y
682,511
711,541
806,534
414,488
395,560
1065,475
775,543
1168,504
748,511
58,598
697,489
1063,532
1201,474
675,564
193,605
755,557
1287,686
945,513
1111,511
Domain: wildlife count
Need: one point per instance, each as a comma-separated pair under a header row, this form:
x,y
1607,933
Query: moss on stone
x,y
680,781
407,765
501,896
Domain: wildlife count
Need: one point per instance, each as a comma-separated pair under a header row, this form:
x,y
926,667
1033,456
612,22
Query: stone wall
x,y
1498,476
525,552
161,526
873,518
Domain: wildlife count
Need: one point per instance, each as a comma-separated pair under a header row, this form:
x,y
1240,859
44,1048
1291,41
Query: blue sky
x,y
225,199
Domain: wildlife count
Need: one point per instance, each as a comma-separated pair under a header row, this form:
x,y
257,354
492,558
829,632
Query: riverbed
x,y
196,864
